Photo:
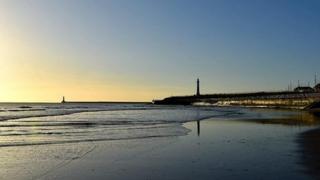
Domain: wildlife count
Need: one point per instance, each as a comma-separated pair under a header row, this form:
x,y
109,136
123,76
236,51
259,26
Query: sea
x,y
24,124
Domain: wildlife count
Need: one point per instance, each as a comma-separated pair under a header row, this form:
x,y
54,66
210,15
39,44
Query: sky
x,y
139,50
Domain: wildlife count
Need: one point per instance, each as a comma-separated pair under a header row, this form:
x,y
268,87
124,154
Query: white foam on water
x,y
58,123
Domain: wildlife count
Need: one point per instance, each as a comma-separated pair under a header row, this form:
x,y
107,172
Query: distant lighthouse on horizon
x,y
63,100
198,87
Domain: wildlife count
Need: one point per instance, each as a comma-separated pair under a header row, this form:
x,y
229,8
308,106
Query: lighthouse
x,y
63,100
198,87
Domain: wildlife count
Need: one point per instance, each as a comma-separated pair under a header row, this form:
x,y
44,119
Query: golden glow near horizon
x,y
34,81
30,74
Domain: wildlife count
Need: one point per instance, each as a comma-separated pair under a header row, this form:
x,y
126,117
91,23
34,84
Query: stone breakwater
x,y
261,99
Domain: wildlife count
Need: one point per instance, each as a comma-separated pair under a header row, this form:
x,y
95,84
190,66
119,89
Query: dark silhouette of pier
x,y
300,98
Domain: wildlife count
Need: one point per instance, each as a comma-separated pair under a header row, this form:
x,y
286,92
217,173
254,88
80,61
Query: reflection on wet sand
x,y
198,128
310,152
198,122
300,118
309,146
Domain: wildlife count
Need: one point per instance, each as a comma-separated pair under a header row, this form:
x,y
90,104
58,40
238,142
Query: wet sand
x,y
214,149
309,142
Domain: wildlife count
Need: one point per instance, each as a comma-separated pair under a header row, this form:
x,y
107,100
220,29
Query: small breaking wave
x,y
85,140
57,125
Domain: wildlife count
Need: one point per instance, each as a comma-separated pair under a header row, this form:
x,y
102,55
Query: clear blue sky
x,y
160,47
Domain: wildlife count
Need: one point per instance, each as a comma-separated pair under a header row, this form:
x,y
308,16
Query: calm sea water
x,y
35,124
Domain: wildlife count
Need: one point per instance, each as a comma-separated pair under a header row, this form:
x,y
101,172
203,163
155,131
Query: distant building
x,y
304,89
317,88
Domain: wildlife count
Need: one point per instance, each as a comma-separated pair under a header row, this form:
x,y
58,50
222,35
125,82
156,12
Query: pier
x,y
300,98
277,99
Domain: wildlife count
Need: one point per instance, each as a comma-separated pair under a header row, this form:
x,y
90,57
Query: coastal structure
x,y
198,87
302,97
303,89
63,100
317,88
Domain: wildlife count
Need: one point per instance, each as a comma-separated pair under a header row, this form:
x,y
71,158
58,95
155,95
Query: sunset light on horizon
x,y
144,50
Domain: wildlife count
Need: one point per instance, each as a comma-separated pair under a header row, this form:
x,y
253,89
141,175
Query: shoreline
x,y
235,147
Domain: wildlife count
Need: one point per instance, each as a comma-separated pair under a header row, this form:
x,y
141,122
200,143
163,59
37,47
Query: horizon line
x,y
66,102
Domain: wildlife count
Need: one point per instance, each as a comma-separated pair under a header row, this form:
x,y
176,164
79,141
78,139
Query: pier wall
x,y
273,99
290,103
298,101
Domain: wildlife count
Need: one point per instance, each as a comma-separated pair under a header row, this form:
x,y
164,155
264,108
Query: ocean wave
x,y
100,123
84,140
62,112
21,110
